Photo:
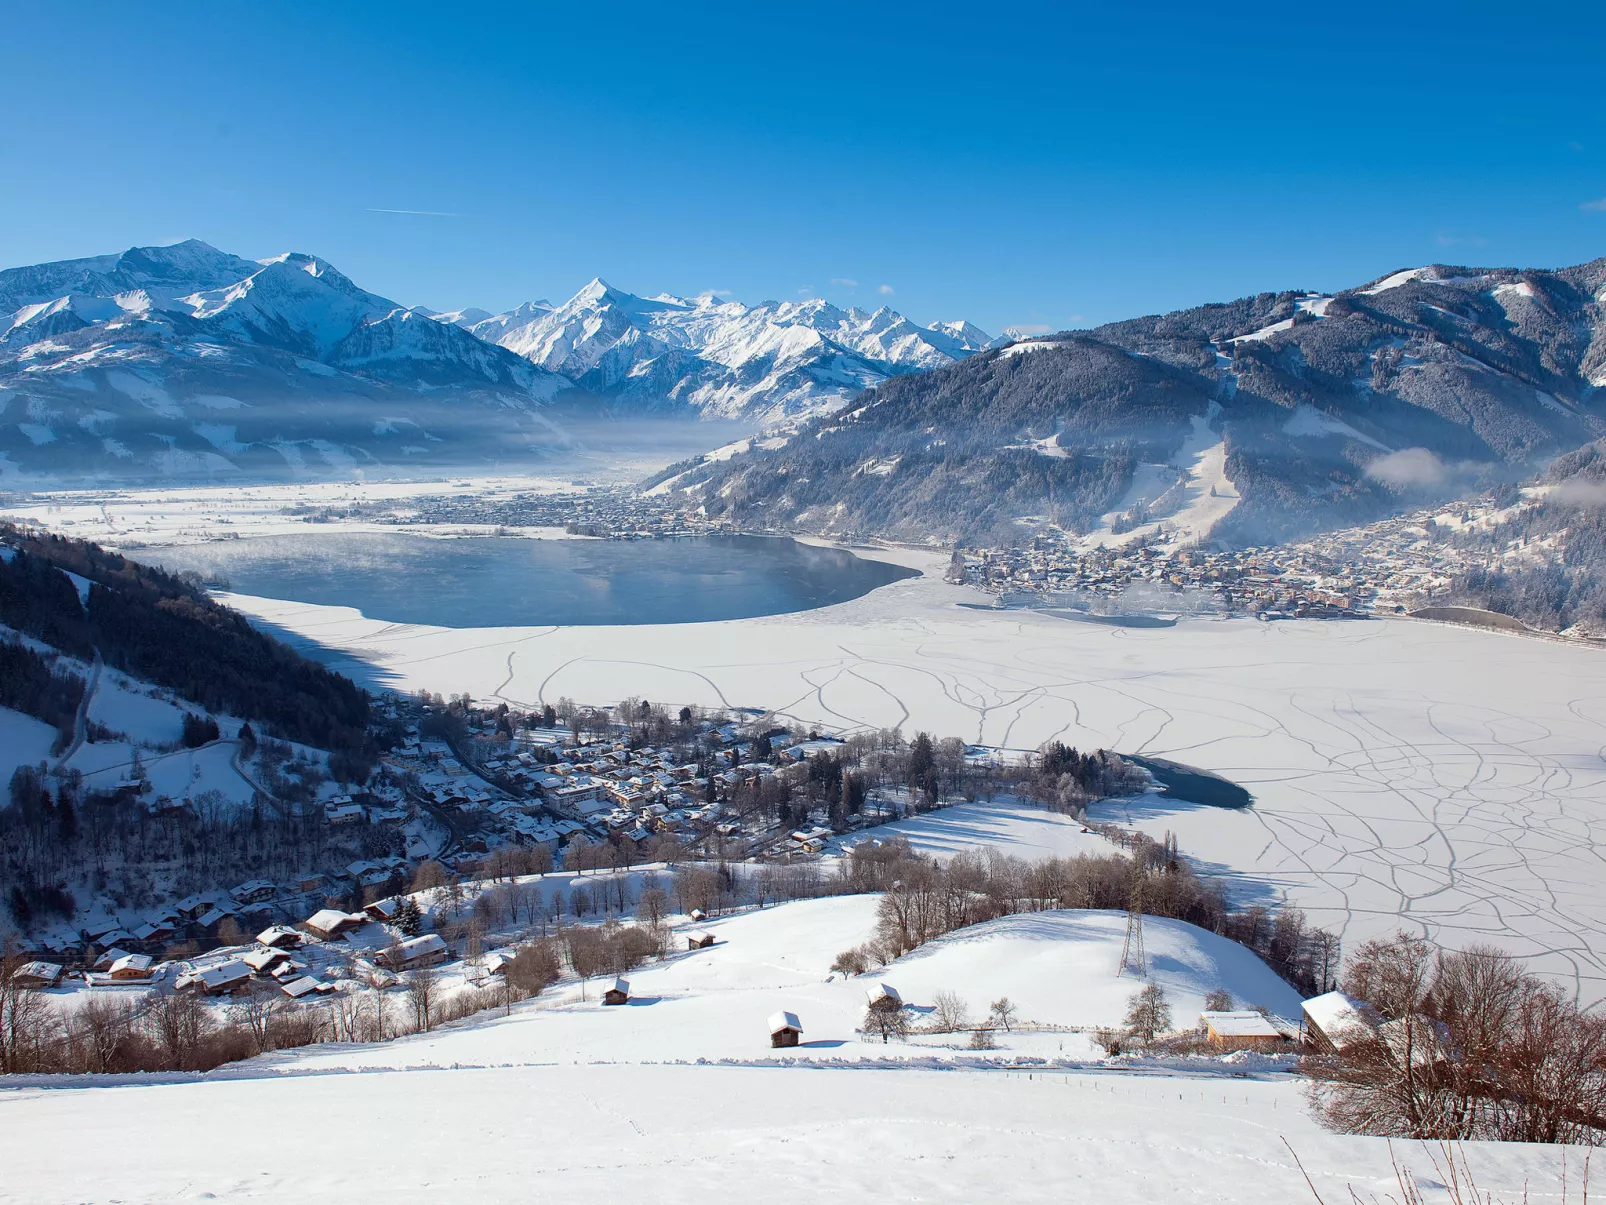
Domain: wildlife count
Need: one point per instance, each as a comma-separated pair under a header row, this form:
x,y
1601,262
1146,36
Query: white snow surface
x,y
689,1133
678,1096
1405,773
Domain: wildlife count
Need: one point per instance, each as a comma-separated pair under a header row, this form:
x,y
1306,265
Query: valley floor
x,y
1404,773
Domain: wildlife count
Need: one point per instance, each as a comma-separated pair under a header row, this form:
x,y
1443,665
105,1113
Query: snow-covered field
x,y
678,1097
1060,968
1008,825
706,1134
192,513
1439,778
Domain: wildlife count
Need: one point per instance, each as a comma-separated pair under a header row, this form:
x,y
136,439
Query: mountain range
x,y
186,360
1248,422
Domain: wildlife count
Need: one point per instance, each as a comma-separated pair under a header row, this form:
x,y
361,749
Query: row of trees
x,y
924,899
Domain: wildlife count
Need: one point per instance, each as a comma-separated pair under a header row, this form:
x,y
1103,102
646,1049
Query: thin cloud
x,y
885,290
1594,206
715,293
418,213
842,282
806,291
1454,240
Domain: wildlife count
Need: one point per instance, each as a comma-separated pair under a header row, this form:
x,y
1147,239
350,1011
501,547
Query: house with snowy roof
x,y
1335,1019
1240,1029
415,952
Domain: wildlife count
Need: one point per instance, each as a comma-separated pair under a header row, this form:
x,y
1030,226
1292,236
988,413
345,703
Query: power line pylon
x,y
1133,957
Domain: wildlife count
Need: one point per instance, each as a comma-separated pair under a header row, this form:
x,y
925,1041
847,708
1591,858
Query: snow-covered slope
x,y
187,360
678,1096
723,358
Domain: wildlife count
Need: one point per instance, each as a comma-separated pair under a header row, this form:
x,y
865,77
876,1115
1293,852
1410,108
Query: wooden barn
x,y
785,1029
619,993
1240,1029
699,940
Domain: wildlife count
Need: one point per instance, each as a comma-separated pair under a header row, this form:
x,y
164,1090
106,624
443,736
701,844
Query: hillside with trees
x,y
164,629
1334,410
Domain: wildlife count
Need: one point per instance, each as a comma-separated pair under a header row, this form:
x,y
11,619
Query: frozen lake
x,y
478,582
1404,774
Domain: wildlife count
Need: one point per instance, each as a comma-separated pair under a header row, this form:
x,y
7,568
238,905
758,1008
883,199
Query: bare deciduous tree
x,y
1148,1013
422,985
949,1012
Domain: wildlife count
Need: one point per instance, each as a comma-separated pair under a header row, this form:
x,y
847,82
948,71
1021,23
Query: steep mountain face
x,y
1247,422
187,360
722,358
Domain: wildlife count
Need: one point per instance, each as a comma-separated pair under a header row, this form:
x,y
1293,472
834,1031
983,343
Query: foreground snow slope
x,y
701,1134
678,1096
1446,779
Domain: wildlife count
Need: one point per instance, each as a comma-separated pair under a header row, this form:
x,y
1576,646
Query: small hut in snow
x,y
785,1029
884,995
699,940
698,914
619,993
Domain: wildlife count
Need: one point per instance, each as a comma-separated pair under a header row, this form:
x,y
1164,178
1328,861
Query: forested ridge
x,y
162,628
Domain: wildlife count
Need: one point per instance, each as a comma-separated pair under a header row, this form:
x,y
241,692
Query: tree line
x,y
164,629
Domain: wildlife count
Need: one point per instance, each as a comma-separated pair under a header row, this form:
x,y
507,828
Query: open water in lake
x,y
479,582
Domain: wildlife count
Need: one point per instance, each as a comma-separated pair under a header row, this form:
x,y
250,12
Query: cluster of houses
x,y
1291,582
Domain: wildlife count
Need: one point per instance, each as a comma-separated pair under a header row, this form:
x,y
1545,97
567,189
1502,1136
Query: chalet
x,y
415,952
1334,1020
254,891
264,959
104,962
344,813
280,937
210,921
619,993
155,931
36,974
383,911
785,1029
699,940
1240,1029
329,923
130,968
220,980
192,906
304,986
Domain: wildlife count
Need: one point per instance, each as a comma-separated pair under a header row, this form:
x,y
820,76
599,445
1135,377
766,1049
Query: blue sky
x,y
1043,165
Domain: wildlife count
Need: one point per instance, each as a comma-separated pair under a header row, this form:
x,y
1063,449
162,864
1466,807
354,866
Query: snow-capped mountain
x,y
186,359
189,360
723,358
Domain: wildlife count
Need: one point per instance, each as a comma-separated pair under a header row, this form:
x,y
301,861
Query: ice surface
x,y
1405,773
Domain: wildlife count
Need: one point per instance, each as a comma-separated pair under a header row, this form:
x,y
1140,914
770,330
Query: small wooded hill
x,y
158,627
1486,372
